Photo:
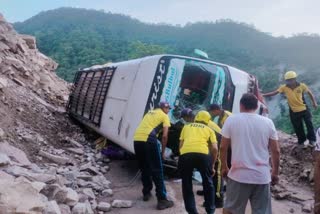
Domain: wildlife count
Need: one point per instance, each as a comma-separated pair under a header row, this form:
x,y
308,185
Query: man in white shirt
x,y
317,174
251,136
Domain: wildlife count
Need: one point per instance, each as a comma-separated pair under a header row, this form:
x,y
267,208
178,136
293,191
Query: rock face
x,y
45,165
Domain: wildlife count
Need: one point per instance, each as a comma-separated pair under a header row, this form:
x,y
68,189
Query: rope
x,y
129,184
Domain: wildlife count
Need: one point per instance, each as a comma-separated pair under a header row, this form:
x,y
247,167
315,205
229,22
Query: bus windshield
x,y
193,84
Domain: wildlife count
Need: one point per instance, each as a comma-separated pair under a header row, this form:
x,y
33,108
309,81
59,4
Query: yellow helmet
x,y
203,116
290,75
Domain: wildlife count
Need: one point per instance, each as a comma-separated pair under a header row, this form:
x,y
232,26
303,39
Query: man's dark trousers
x,y
297,119
150,163
187,163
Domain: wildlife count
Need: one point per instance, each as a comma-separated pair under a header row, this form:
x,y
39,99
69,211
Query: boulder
x,y
15,154
72,197
104,206
122,203
300,197
102,181
73,143
20,171
38,185
5,176
107,193
30,41
89,192
55,158
65,209
19,82
4,160
55,192
89,168
94,204
3,85
79,208
77,151
307,208
20,197
282,195
52,208
88,208
12,61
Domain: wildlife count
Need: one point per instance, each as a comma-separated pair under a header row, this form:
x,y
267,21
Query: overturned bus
x,y
113,98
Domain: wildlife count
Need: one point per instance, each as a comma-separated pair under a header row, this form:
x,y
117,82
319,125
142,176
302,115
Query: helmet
x,y
203,116
290,75
186,112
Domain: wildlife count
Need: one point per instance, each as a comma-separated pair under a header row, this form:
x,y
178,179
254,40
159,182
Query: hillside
x,y
78,38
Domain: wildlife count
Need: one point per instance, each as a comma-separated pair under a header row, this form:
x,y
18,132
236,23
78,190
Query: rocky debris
x,y
47,163
122,204
55,188
104,206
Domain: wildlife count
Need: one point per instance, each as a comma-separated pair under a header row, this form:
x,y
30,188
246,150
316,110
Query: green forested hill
x,y
78,38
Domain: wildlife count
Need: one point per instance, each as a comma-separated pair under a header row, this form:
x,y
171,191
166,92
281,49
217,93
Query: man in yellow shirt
x,y
299,110
148,153
198,149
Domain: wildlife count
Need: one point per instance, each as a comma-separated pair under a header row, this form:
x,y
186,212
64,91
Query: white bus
x,y
113,98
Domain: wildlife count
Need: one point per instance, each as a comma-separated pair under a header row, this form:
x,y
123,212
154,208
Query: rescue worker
x,y
149,155
216,111
198,149
299,110
186,116
317,174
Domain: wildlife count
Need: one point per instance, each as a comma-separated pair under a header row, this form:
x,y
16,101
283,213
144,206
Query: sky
x,y
278,17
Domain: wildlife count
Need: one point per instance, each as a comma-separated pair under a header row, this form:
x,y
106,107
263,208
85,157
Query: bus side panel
x,y
138,100
116,102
